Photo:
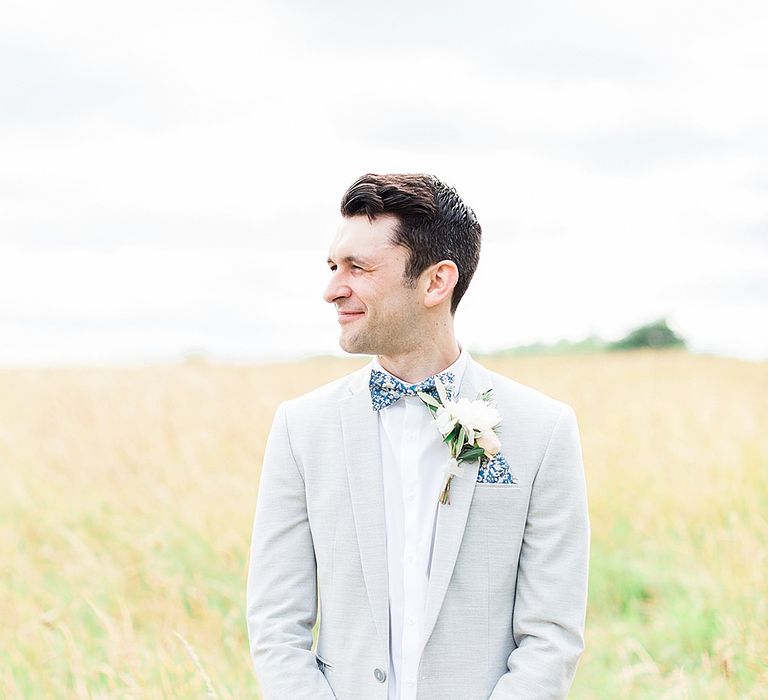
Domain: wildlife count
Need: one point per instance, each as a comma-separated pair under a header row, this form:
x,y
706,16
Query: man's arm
x,y
282,591
551,598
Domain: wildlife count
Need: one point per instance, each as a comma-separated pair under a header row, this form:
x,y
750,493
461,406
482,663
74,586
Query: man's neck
x,y
415,366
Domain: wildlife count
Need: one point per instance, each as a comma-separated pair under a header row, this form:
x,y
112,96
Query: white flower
x,y
445,419
490,442
476,415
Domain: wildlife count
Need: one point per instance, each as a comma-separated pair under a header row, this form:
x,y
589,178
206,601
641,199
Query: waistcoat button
x,y
379,675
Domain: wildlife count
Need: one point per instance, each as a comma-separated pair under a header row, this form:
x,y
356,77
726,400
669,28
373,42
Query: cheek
x,y
373,293
402,304
387,297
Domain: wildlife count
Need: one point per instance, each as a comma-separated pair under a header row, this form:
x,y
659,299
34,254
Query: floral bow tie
x,y
386,389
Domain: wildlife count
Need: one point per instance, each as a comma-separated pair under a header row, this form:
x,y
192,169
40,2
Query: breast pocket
x,y
487,485
497,507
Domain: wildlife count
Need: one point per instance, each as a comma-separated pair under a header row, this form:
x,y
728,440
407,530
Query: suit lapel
x,y
362,453
452,518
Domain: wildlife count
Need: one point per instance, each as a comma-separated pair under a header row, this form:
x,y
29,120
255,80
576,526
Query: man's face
x,y
378,313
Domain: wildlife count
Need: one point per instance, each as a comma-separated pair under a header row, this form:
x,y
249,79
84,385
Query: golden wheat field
x,y
126,499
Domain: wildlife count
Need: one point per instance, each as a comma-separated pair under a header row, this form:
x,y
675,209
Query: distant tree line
x,y
657,335
653,335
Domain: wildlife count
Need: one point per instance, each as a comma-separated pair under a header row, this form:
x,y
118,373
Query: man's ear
x,y
439,281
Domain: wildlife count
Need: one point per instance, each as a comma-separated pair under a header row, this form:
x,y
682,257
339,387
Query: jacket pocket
x,y
497,485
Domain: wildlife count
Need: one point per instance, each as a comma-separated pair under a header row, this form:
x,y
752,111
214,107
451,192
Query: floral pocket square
x,y
495,471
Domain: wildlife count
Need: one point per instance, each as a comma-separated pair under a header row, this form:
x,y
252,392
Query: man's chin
x,y
355,346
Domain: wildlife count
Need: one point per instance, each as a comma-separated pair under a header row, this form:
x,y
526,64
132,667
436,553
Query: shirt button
x,y
379,675
411,496
410,620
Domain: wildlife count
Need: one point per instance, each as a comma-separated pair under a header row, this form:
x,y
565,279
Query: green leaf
x,y
471,453
452,435
427,399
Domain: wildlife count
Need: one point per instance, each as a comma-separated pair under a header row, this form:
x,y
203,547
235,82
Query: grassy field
x,y
126,499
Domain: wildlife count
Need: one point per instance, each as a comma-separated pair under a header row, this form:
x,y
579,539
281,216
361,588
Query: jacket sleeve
x,y
551,596
281,600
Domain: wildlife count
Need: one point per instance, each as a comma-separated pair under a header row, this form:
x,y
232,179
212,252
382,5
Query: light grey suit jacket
x,y
508,584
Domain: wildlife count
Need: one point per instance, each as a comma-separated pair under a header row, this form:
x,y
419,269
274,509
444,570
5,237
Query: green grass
x,y
126,500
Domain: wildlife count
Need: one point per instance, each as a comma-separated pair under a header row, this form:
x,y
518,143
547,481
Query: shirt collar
x,y
457,368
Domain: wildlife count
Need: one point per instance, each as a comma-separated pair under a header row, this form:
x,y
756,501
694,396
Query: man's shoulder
x,y
529,417
510,394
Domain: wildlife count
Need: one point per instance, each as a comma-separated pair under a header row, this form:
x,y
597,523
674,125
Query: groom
x,y
480,594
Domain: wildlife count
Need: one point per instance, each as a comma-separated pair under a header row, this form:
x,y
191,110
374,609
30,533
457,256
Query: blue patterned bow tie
x,y
386,389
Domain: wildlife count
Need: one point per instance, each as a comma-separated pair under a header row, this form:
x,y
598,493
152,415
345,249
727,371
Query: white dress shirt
x,y
413,459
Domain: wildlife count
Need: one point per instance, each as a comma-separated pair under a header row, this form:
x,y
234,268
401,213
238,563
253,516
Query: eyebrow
x,y
351,259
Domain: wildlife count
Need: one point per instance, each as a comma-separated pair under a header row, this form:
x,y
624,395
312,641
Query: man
x,y
432,580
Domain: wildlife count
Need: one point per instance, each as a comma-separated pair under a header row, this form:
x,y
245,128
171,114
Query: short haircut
x,y
434,224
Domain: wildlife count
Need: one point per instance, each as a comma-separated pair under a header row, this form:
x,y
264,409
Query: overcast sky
x,y
170,172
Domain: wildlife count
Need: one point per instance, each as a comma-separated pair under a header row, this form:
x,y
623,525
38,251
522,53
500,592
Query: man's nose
x,y
336,289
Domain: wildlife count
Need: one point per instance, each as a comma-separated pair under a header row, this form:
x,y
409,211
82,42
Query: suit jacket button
x,y
379,675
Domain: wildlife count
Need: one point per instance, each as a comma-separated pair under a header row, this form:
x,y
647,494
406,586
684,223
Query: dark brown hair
x,y
434,224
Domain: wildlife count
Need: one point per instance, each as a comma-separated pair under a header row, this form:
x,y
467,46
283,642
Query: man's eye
x,y
332,268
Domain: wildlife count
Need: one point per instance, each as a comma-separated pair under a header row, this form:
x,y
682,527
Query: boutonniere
x,y
468,428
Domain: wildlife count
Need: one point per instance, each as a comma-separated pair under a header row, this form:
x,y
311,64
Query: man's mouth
x,y
345,316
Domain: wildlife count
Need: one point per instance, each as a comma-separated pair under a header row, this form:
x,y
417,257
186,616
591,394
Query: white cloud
x,y
171,172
